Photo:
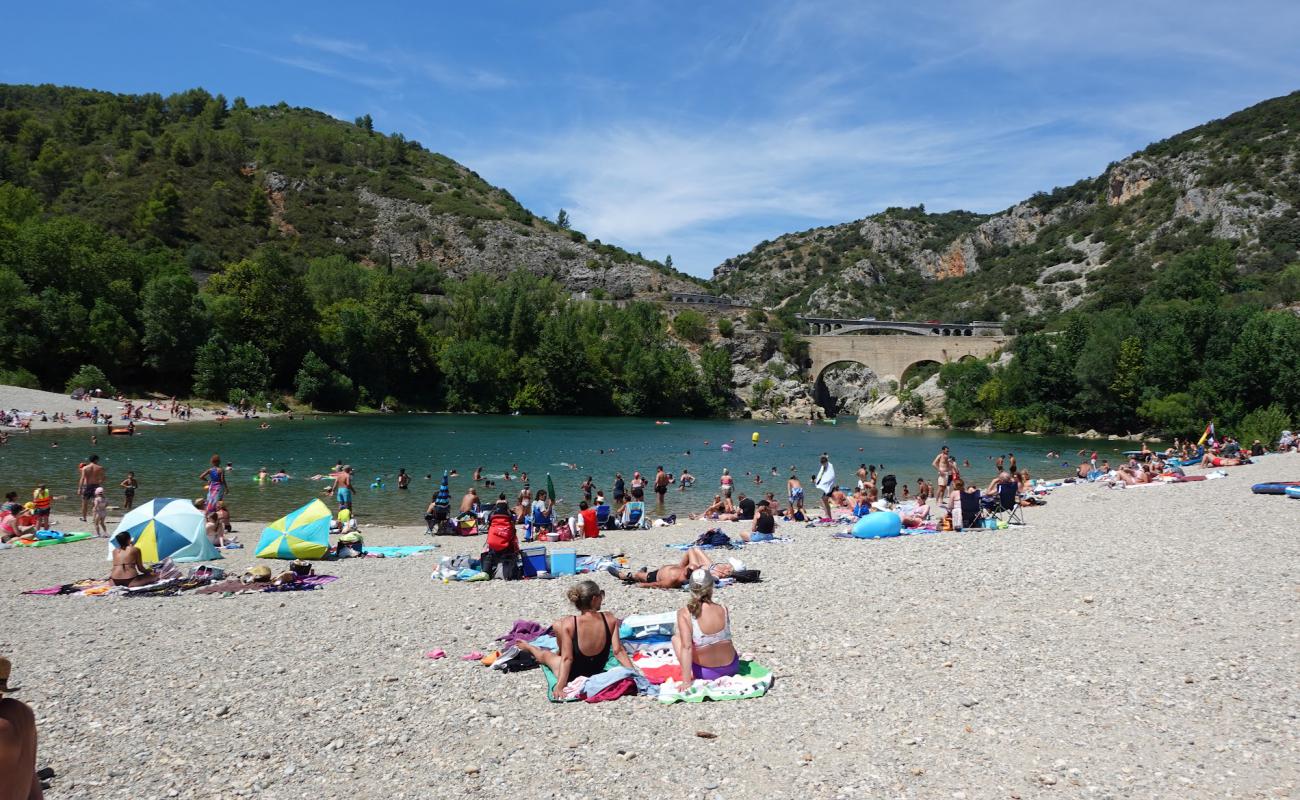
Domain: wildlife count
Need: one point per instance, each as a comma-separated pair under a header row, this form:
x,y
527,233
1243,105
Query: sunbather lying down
x,y
673,576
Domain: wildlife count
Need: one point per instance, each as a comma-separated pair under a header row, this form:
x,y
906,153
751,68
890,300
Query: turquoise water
x,y
167,460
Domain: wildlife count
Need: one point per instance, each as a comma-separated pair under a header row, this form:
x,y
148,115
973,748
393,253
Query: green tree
x,y
161,215
726,328
691,326
715,379
210,374
263,300
1264,424
961,382
174,325
1127,381
323,387
256,210
1174,414
89,378
562,220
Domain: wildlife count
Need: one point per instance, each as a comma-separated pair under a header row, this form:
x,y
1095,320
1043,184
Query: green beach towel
x,y
67,537
757,679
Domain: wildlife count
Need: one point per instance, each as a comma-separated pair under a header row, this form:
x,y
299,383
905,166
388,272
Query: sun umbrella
x,y
304,533
550,488
443,500
168,527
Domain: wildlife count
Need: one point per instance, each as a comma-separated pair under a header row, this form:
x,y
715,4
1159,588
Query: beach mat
x,y
64,539
398,551
752,681
755,681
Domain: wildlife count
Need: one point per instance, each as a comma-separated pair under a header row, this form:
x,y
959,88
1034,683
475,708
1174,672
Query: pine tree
x,y
562,220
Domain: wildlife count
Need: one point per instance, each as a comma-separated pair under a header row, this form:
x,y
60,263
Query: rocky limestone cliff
x,y
1233,179
410,233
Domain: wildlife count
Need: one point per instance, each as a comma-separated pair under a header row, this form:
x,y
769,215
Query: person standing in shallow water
x,y
216,479
662,481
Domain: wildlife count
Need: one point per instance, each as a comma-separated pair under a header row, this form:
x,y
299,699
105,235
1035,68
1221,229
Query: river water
x,y
167,460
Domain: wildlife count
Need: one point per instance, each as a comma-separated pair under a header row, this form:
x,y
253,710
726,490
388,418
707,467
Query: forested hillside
x,y
190,244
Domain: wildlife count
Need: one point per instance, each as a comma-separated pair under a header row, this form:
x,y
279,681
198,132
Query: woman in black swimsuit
x,y
586,639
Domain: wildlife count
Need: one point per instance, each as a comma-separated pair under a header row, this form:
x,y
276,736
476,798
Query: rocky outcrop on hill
x,y
410,233
1233,179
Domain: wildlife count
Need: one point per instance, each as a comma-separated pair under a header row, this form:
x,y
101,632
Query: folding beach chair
x,y
634,516
602,517
972,510
1008,502
888,488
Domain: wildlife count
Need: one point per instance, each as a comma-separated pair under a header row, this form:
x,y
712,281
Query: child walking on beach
x,y
100,513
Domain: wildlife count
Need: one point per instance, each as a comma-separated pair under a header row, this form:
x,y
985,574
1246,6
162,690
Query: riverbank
x,y
35,404
1125,643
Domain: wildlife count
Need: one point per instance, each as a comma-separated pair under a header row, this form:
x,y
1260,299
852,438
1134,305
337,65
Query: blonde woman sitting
x,y
702,639
586,639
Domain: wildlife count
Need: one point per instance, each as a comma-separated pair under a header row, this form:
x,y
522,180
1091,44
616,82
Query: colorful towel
x,y
753,680
611,663
398,551
60,539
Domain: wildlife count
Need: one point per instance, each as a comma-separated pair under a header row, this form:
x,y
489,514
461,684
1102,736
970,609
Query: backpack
x,y
714,538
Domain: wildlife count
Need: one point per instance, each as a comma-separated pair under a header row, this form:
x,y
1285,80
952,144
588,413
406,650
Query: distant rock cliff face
x,y
1233,179
409,233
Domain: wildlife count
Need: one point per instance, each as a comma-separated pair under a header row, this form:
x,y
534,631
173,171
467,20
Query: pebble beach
x,y
1128,643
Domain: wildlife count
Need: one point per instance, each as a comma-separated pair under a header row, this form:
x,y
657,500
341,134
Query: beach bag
x,y
714,538
746,575
564,532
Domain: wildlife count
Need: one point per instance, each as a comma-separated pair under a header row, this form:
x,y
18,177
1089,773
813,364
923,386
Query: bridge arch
x,y
922,366
828,393
889,357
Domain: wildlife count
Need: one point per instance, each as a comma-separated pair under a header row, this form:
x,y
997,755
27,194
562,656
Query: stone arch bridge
x,y
904,345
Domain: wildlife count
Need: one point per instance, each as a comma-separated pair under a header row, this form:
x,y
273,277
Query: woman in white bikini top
x,y
704,656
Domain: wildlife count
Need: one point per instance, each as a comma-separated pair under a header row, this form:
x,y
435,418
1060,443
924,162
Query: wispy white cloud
x,y
403,65
701,195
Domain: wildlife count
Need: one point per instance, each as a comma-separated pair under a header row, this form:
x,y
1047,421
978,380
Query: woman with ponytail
x,y
702,639
586,639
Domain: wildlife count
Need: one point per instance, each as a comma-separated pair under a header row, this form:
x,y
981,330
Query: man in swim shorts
x,y
343,488
92,477
672,576
943,466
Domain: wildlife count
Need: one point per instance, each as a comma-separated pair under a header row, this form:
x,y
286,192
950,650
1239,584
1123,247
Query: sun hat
x,y
702,579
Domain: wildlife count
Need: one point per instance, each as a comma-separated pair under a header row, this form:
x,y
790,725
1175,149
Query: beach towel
x,y
753,680
661,668
60,538
396,551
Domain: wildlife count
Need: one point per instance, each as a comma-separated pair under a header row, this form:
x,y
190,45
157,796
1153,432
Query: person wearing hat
x,y
100,512
702,637
18,778
673,576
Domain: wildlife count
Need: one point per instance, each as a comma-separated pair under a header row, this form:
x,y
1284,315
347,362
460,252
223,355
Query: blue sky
x,y
700,129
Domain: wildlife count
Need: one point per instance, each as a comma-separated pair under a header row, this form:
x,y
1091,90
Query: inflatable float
x,y
1293,491
1276,487
120,432
878,525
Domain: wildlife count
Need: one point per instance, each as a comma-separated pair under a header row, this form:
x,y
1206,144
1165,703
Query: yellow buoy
x,y
754,438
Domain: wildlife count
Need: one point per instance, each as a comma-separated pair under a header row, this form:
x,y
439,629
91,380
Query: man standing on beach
x,y
92,477
943,466
825,482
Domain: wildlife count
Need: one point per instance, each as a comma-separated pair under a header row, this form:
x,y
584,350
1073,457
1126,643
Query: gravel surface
x,y
1136,643
50,403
